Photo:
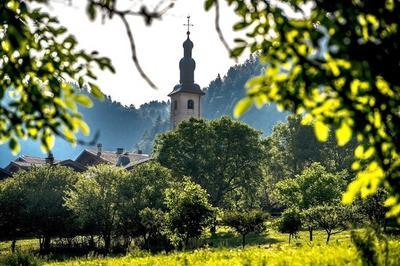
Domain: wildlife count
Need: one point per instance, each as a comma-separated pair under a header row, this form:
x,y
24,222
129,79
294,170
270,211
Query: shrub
x,y
290,222
20,259
245,222
189,212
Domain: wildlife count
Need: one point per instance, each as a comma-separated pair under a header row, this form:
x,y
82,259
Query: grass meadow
x,y
271,248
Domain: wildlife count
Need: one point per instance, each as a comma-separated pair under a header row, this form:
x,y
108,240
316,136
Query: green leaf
x,y
237,51
242,106
14,146
343,134
95,90
321,131
91,11
83,100
208,4
84,127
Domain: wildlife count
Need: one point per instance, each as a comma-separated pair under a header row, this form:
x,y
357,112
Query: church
x,y
185,103
186,96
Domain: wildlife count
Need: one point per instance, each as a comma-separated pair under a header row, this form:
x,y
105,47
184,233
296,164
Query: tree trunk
x,y
310,229
289,238
13,245
243,240
107,243
46,243
329,236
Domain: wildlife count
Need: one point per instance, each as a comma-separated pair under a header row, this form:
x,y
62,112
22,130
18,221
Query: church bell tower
x,y
186,96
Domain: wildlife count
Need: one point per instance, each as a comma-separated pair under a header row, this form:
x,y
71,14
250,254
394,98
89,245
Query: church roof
x,y
189,88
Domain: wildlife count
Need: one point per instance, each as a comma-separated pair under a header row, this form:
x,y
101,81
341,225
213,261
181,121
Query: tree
x,y
223,156
154,226
245,222
44,190
290,222
189,211
141,196
333,218
333,62
12,207
374,210
314,187
292,147
95,200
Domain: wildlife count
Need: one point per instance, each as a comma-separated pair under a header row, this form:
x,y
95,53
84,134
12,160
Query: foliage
x,y
37,59
315,186
38,198
95,200
12,204
224,92
292,147
20,259
341,252
373,210
290,222
333,218
332,61
245,222
223,156
189,211
141,201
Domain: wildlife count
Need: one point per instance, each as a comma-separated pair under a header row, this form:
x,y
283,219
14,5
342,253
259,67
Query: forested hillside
x,y
135,128
117,125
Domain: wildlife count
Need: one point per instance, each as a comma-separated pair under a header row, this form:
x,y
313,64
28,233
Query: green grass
x,y
269,249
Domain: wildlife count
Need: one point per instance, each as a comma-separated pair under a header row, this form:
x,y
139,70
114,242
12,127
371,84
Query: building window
x,y
175,105
190,104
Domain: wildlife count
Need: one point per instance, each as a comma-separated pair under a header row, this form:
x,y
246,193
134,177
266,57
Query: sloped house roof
x,y
4,174
86,158
121,158
26,162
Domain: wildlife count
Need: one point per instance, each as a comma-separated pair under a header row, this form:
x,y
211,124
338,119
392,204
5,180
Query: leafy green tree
x,y
12,209
292,147
155,230
189,212
333,218
245,222
314,187
95,200
374,210
333,61
223,156
290,222
44,190
141,196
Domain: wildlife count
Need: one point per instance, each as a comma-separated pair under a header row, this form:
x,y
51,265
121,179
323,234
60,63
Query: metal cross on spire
x,y
188,25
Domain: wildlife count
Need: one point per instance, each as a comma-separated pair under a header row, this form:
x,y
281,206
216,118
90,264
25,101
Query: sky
x,y
159,46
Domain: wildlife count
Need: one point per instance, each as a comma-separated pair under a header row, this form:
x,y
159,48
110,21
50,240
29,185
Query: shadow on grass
x,y
230,240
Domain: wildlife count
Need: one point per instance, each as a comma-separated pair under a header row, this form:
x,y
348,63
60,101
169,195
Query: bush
x,y
290,222
20,259
245,222
189,212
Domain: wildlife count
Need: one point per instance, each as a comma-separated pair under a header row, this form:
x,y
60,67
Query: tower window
x,y
175,105
190,104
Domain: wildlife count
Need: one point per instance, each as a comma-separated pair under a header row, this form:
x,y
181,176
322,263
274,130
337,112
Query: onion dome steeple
x,y
187,65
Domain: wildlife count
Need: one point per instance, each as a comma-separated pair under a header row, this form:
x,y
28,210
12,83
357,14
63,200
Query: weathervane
x,y
188,25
